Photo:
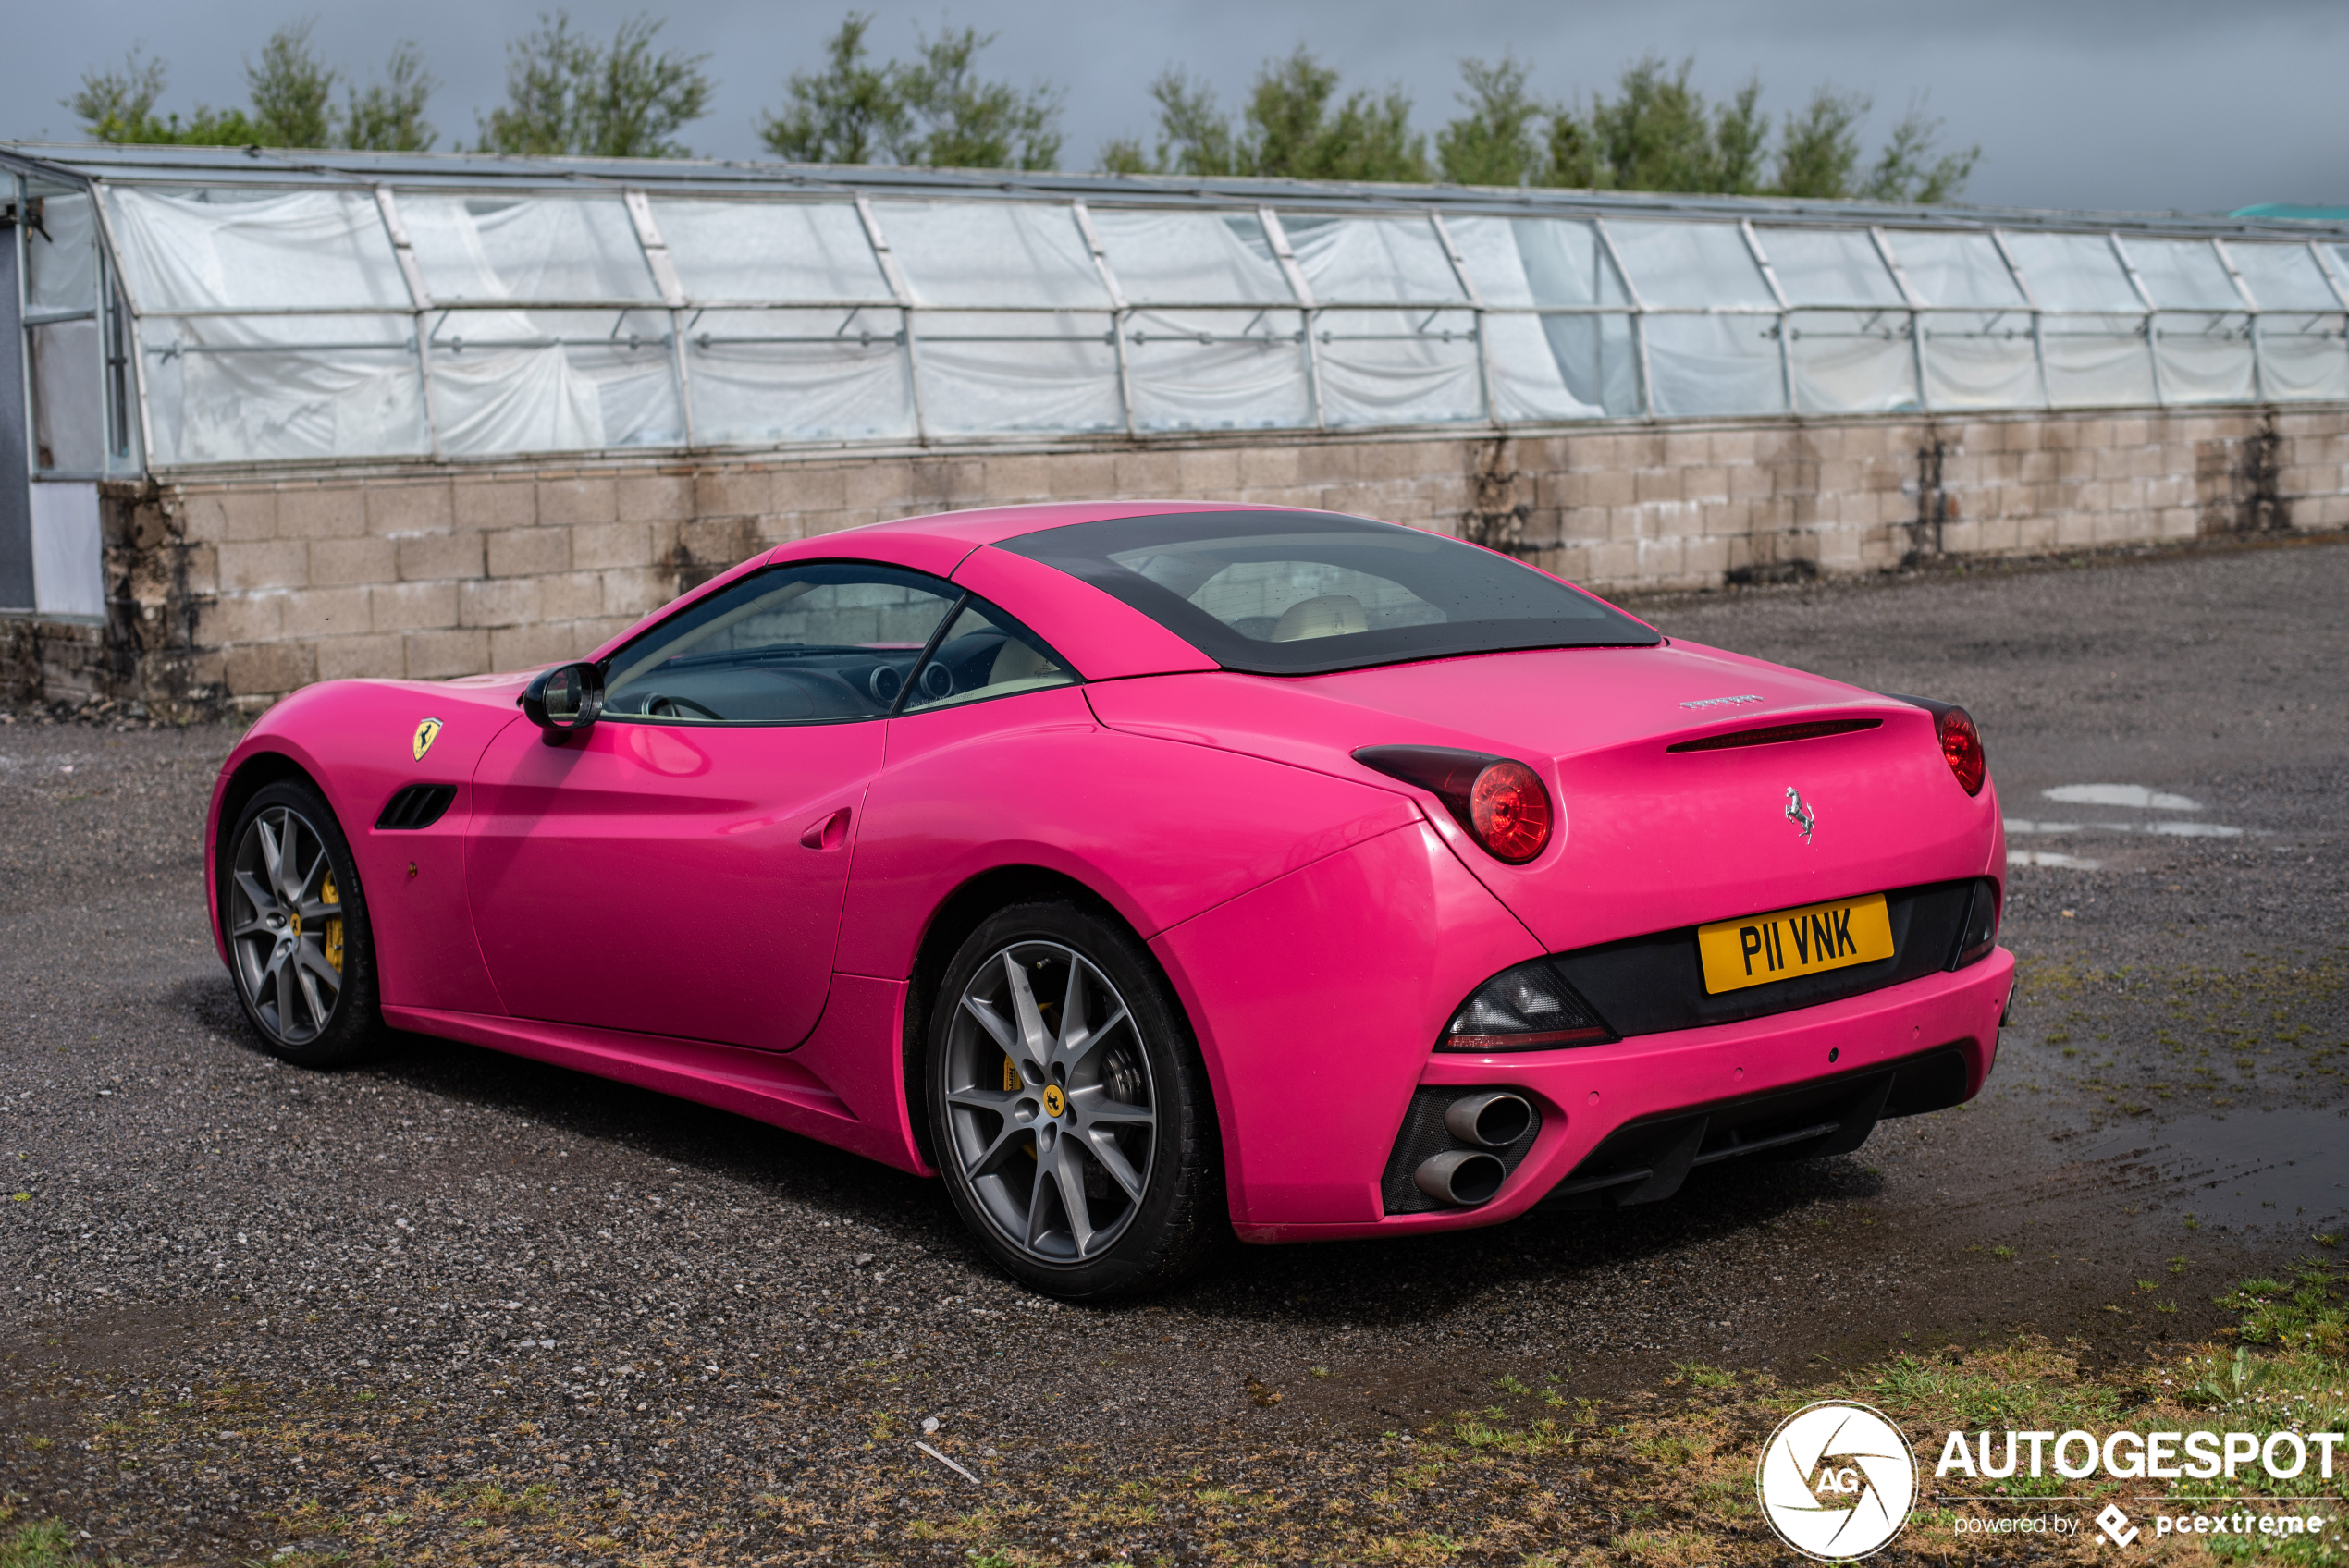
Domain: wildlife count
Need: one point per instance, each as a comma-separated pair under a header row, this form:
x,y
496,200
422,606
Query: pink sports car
x,y
1151,872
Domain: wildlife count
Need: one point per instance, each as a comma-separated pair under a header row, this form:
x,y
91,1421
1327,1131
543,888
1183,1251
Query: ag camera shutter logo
x,y
1837,1480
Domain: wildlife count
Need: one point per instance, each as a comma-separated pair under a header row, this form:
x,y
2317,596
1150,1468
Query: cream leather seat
x,y
1332,615
1016,661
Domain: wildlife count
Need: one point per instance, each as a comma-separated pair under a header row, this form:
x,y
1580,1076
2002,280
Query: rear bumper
x,y
1586,1094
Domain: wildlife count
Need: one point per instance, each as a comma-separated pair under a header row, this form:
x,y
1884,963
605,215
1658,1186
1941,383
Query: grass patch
x,y
42,1543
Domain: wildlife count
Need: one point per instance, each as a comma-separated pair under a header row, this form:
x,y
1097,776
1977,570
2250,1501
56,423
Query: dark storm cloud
x,y
2124,104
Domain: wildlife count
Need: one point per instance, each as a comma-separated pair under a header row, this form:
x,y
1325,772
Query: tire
x,y
1032,1122
301,946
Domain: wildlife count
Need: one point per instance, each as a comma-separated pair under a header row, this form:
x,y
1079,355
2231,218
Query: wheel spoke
x,y
1036,1041
1008,1133
315,965
307,985
312,887
262,900
1095,1106
1073,1004
289,877
274,977
272,854
1068,1173
1103,1147
1073,1051
992,1021
1039,1207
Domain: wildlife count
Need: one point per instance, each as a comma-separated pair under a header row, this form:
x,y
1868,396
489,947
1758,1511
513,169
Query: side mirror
x,y
565,699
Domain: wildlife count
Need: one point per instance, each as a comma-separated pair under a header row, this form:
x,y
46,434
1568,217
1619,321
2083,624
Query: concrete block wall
x,y
229,591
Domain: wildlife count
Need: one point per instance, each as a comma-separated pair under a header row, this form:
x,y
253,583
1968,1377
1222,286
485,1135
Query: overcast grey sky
x,y
2192,104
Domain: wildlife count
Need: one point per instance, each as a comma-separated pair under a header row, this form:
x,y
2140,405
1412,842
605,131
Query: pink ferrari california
x,y
1151,872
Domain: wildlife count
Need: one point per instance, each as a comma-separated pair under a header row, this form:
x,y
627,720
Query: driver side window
x,y
797,645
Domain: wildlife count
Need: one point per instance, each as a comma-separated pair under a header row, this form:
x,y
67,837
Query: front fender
x,y
356,741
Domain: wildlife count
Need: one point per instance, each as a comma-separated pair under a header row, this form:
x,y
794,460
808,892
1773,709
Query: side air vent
x,y
418,805
1776,733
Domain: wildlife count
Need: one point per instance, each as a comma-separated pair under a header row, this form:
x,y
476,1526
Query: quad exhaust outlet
x,y
1492,1122
1463,1178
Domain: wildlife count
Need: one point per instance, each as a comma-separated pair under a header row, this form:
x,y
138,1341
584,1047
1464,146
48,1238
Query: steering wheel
x,y
662,705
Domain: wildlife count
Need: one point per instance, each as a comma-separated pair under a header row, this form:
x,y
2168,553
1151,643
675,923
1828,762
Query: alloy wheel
x,y
1051,1105
286,924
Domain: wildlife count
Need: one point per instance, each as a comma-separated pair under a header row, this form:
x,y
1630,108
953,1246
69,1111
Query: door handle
x,y
829,834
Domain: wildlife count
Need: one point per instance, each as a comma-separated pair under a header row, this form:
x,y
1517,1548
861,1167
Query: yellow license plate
x,y
1762,948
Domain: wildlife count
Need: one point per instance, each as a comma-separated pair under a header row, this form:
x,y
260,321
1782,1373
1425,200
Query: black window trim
x,y
960,599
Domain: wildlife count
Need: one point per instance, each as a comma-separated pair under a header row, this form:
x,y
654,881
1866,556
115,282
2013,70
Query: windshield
x,y
1305,593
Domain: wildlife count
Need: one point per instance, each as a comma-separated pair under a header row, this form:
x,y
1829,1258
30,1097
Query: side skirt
x,y
838,1087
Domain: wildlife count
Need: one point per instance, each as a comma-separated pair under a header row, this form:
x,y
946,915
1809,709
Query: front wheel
x,y
1069,1109
299,943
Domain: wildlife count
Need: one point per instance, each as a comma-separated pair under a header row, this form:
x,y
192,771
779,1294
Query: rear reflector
x,y
1529,1008
1776,733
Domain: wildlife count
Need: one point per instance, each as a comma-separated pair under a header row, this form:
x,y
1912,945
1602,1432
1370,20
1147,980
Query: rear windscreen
x,y
1305,593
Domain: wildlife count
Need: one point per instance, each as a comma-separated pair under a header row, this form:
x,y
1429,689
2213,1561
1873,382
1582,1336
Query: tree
x,y
1902,172
292,104
390,116
934,110
1194,136
1819,150
565,93
1290,131
293,91
955,119
848,113
1496,141
120,106
1741,134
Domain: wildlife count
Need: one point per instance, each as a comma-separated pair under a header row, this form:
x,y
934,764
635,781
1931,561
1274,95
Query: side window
x,y
796,644
985,653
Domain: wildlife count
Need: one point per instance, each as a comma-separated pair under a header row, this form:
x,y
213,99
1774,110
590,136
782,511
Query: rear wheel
x,y
299,943
1069,1109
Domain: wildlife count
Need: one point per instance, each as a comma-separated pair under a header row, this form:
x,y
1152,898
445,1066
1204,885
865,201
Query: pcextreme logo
x,y
1837,1480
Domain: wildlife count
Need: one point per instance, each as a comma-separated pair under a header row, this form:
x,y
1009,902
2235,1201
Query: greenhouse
x,y
191,307
218,320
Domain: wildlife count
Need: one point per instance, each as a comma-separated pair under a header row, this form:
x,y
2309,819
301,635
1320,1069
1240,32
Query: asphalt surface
x,y
461,1307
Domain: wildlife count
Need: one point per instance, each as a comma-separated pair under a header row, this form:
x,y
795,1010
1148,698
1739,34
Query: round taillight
x,y
1509,811
1962,749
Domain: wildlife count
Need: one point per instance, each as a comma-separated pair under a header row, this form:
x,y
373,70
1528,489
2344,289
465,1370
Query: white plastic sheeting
x,y
282,325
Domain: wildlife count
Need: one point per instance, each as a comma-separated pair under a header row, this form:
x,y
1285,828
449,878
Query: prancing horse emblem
x,y
427,731
1803,816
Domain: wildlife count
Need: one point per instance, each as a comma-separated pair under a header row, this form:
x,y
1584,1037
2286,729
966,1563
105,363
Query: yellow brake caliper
x,y
333,939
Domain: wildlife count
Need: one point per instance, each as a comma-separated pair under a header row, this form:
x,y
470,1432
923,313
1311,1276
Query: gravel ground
x,y
460,1308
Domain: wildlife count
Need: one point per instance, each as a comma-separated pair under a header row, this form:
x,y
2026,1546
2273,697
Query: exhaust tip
x,y
1463,1178
1494,1120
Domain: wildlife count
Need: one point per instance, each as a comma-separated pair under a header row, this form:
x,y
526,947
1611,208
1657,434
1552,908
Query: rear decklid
x,y
1648,838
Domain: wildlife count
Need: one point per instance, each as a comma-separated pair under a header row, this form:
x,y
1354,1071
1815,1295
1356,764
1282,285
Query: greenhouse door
x,y
16,489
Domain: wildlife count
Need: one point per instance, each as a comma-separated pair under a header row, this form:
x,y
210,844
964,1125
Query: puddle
x,y
2288,1167
2048,857
2164,829
2119,795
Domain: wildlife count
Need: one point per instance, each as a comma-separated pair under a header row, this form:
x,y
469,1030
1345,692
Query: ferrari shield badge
x,y
427,731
